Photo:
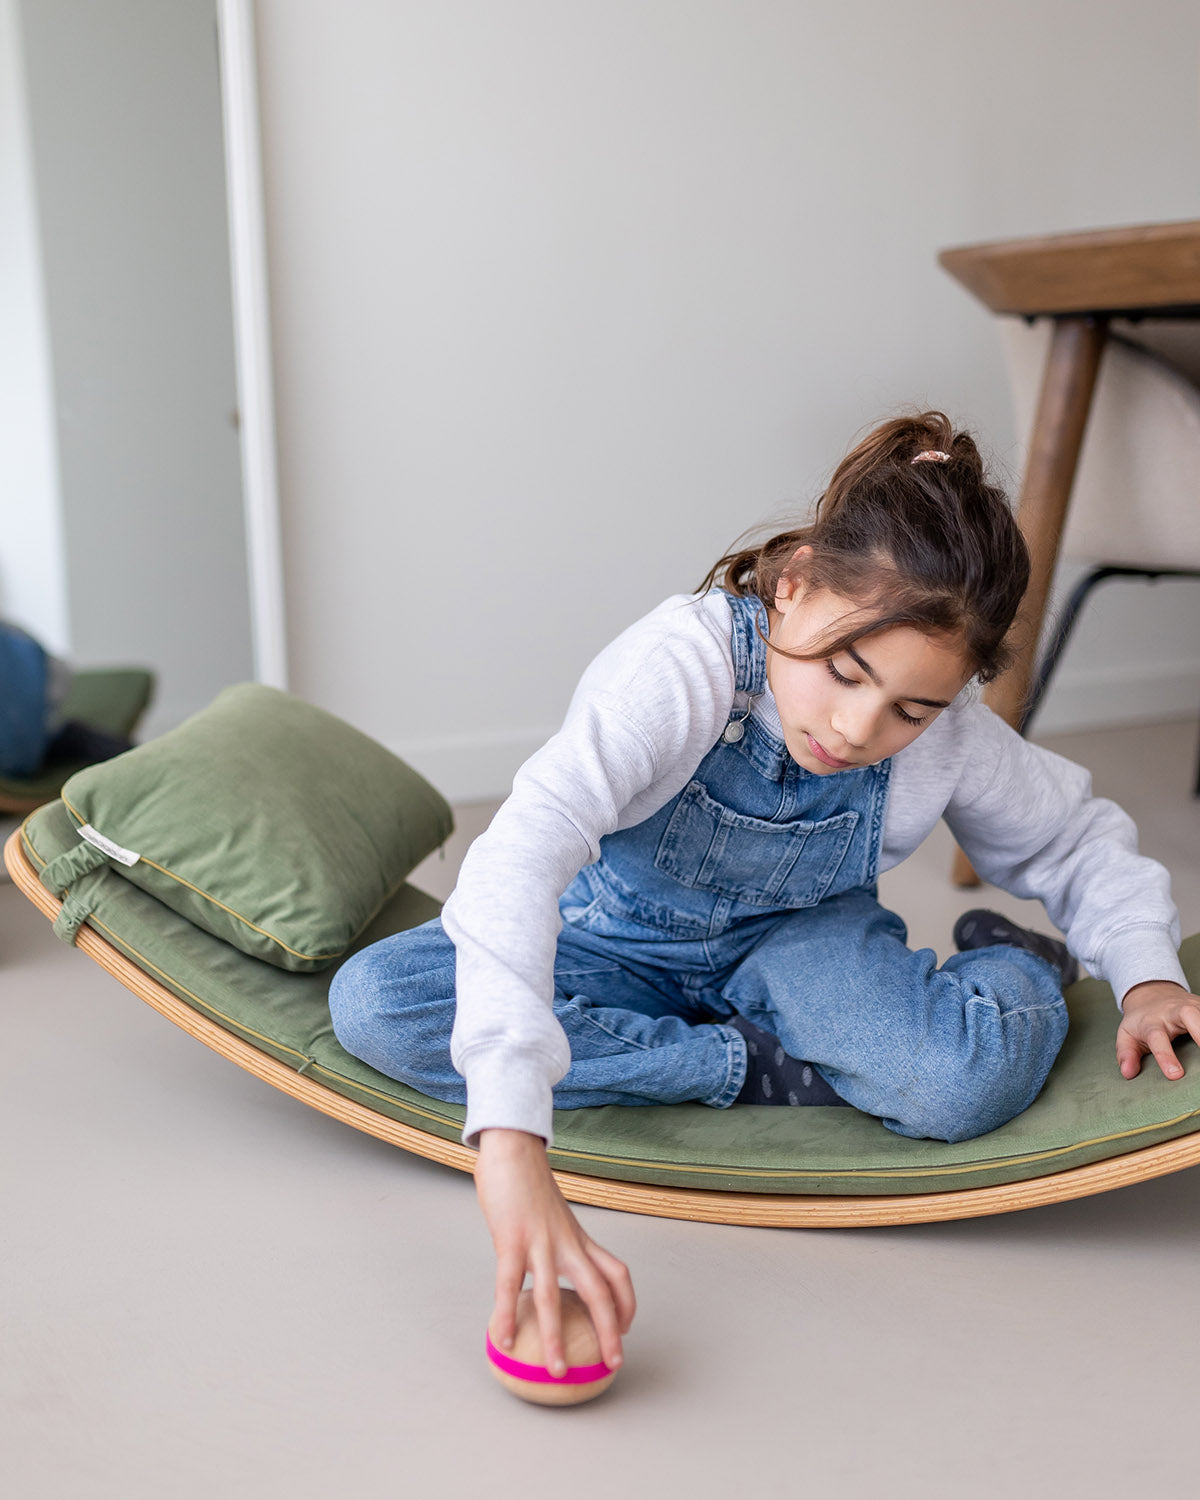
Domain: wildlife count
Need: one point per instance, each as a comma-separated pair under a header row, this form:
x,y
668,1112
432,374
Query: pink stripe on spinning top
x,y
576,1374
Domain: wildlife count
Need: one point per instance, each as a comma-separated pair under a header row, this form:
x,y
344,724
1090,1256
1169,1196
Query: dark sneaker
x,y
988,929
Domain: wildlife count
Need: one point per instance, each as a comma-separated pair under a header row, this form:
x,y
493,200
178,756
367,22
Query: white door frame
x,y
252,338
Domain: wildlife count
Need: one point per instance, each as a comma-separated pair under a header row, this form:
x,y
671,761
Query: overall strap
x,y
749,647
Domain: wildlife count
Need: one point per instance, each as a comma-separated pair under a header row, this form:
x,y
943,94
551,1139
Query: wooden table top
x,y
1139,270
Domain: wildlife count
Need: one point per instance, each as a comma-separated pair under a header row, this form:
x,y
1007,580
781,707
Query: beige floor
x,y
209,1290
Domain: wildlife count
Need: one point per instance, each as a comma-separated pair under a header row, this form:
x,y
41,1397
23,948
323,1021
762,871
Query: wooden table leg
x,y
1062,412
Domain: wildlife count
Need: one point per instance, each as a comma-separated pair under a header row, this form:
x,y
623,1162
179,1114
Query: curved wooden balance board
x,y
847,1209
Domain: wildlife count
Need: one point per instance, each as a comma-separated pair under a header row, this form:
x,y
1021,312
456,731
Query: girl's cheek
x,y
911,732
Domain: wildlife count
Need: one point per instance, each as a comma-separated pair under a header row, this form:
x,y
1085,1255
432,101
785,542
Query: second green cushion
x,y
266,821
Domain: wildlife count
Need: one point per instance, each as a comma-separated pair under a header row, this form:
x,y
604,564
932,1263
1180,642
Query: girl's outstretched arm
x,y
534,1230
1156,1013
646,712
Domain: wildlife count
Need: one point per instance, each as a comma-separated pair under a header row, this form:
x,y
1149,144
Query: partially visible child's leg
x,y
77,741
982,928
947,1053
636,1038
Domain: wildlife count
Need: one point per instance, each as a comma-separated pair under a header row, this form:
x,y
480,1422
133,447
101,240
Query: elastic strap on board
x,y
73,913
58,874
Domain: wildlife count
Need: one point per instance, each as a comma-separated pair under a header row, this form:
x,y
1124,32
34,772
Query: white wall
x,y
567,295
32,564
124,108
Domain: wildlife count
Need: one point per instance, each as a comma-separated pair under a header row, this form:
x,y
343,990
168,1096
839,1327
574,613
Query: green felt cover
x,y
1085,1113
268,822
111,698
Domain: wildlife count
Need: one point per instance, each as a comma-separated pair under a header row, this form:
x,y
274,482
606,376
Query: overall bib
x,y
752,892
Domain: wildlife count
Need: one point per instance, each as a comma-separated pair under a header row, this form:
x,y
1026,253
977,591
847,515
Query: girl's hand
x,y
533,1230
1155,1013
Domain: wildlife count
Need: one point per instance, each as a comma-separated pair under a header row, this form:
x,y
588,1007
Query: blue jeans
x,y
947,1052
23,705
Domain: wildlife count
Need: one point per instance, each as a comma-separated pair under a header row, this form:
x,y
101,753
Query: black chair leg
x,y
1066,624
1058,641
1196,788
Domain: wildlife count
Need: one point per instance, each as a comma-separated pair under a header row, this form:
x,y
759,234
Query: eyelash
x,y
850,682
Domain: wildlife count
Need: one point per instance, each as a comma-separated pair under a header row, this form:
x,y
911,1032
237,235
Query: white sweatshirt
x,y
645,714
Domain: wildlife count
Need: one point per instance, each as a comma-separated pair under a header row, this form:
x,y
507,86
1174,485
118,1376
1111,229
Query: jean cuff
x,y
735,1044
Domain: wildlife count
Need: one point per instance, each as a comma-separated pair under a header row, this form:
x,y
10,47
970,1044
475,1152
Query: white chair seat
x,y
1136,497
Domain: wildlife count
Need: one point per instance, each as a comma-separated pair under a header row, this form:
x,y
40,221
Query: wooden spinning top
x,y
521,1369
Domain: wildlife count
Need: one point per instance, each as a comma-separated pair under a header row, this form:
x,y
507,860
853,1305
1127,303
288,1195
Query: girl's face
x,y
864,703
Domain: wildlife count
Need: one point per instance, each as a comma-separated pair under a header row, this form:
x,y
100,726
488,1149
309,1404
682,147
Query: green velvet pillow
x,y
266,821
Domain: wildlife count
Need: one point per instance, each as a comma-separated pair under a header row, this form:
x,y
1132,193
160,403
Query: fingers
x,y
606,1289
1191,1019
616,1273
549,1316
1129,1054
597,1297
599,1303
1164,1054
1130,1048
1157,1013
510,1275
1157,1041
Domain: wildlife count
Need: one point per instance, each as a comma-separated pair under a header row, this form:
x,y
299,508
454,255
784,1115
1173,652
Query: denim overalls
x,y
751,892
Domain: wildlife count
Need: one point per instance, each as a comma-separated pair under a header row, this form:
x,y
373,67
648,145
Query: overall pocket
x,y
600,902
708,847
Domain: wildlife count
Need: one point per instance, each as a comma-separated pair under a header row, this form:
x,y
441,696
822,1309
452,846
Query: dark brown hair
x,y
932,545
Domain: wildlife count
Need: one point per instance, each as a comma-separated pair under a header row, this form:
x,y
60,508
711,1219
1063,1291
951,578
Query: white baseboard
x,y
475,767
1102,698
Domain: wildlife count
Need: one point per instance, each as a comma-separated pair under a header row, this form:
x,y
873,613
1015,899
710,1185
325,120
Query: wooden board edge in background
x,y
14,806
763,1210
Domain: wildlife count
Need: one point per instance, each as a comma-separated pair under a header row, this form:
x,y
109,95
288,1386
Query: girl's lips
x,y
823,755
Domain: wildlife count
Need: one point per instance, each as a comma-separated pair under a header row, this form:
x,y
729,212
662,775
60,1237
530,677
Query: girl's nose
x,y
855,726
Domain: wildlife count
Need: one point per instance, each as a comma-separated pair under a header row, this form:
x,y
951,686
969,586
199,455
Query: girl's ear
x,y
789,588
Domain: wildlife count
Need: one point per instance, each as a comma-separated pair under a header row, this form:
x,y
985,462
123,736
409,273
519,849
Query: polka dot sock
x,y
772,1077
987,929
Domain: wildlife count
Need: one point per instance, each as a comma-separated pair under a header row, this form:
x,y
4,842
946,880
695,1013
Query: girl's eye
x,y
850,682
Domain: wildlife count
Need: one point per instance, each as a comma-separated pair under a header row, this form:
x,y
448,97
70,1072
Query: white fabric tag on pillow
x,y
106,846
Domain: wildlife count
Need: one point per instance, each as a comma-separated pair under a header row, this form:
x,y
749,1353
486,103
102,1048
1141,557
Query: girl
x,y
678,900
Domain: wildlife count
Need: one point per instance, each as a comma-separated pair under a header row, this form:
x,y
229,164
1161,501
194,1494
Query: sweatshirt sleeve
x,y
1029,823
644,716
